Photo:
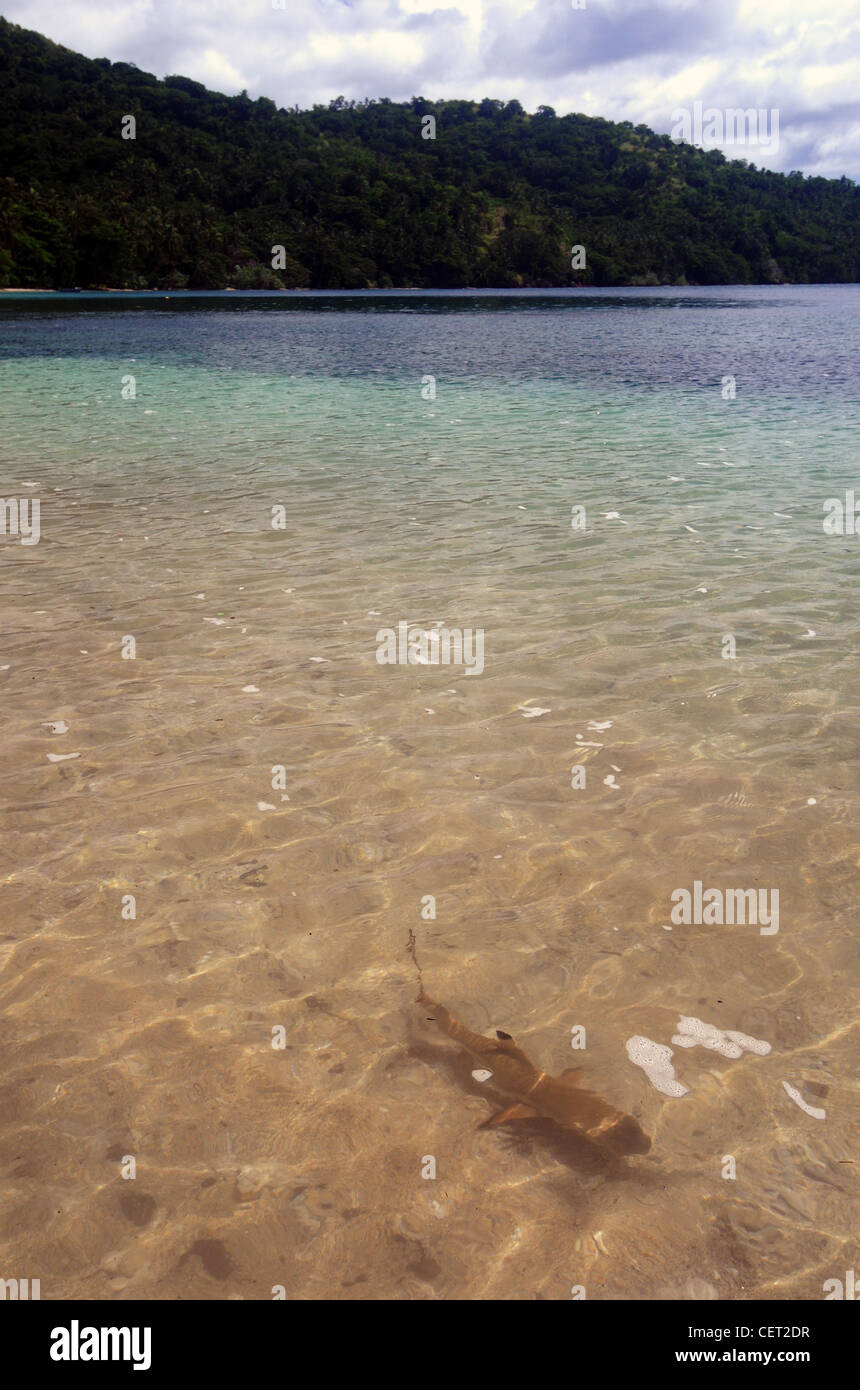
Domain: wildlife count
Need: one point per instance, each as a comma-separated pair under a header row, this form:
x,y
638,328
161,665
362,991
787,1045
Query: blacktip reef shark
x,y
535,1094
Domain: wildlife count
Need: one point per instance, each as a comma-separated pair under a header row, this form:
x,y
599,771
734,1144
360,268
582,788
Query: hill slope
x,y
358,198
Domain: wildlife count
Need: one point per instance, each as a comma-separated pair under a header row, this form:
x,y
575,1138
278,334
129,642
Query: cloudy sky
x,y
623,59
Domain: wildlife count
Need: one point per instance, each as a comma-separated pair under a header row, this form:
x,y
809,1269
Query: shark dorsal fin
x,y
507,1045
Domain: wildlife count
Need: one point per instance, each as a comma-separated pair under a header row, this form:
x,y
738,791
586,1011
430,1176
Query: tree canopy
x,y
358,196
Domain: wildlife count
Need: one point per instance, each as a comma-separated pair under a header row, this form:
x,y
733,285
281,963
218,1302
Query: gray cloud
x,y
554,39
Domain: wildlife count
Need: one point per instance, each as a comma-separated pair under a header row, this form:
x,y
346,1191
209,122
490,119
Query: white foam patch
x,y
57,726
61,757
692,1032
250,690
655,1059
598,727
813,1110
534,712
481,1075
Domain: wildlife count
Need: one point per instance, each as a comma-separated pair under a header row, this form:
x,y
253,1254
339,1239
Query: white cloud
x,y
218,72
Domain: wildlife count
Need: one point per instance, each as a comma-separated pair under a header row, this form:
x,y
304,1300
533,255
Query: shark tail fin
x,y
423,998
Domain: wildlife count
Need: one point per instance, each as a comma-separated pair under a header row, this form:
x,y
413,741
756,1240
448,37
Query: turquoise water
x,y
261,906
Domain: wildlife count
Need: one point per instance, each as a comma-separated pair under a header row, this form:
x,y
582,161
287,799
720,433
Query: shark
x,y
534,1094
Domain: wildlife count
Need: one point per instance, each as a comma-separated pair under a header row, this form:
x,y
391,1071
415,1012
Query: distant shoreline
x,y
422,289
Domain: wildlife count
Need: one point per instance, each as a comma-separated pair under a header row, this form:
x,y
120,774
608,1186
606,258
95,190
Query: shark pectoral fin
x,y
572,1076
512,1112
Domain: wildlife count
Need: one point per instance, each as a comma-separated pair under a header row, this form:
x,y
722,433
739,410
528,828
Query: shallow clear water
x,y
259,906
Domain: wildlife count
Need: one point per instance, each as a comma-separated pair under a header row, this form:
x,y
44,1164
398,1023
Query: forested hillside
x,y
358,198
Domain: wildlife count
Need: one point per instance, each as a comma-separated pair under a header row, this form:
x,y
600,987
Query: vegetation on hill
x,y
358,198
